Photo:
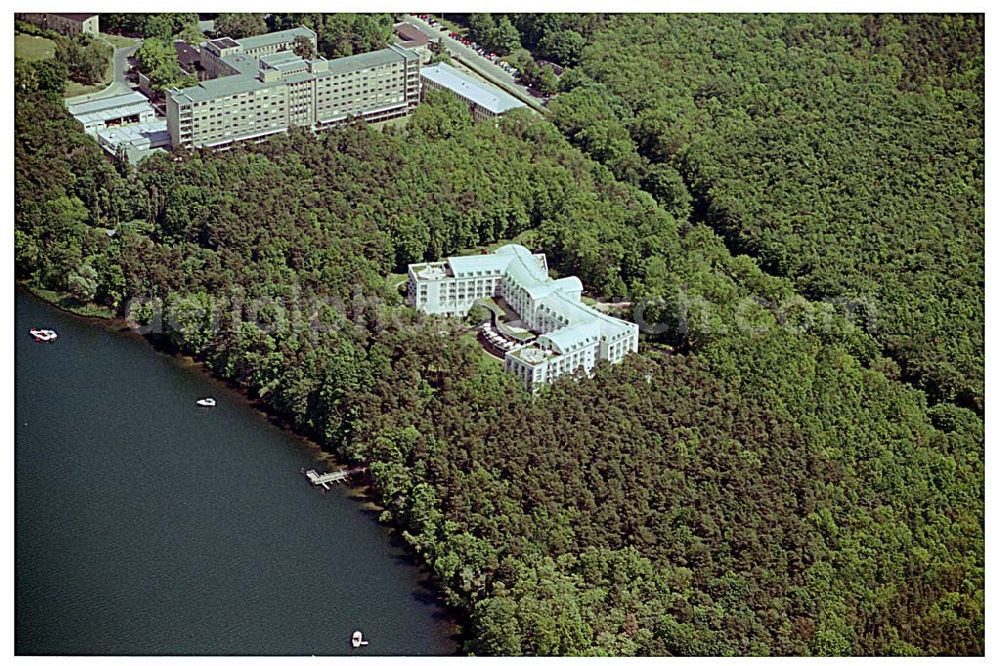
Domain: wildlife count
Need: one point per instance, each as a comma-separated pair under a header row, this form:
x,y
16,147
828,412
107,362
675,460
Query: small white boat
x,y
206,402
357,639
43,334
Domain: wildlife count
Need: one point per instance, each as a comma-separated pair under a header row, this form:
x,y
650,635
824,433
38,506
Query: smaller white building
x,y
131,107
486,102
124,121
569,335
139,140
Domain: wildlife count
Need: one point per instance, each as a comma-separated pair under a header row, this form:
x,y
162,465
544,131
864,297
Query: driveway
x,y
118,85
482,66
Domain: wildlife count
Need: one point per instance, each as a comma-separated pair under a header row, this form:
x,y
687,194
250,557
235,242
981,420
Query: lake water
x,y
146,525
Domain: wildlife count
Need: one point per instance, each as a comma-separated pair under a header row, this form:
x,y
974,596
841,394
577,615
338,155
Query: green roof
x,y
224,87
244,64
384,56
282,59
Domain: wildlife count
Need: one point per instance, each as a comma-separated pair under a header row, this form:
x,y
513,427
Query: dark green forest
x,y
783,478
842,152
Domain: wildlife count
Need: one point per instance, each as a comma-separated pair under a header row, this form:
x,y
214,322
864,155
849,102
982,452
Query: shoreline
x,y
362,492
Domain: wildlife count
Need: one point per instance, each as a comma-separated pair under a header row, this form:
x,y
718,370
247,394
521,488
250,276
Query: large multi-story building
x,y
221,57
568,333
485,101
261,87
67,24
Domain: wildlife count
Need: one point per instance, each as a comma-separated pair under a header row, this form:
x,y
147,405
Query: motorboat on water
x,y
43,334
206,402
358,639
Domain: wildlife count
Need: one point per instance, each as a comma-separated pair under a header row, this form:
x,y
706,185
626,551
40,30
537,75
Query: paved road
x,y
118,85
481,65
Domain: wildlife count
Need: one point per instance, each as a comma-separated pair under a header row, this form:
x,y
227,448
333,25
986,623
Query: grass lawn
x,y
73,88
396,281
30,47
452,26
118,41
490,362
65,301
402,121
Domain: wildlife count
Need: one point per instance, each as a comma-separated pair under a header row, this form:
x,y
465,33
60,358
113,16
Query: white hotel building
x,y
570,334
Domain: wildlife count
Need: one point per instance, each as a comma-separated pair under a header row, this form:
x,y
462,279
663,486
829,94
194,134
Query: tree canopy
x,y
341,34
158,26
844,152
158,61
239,25
86,59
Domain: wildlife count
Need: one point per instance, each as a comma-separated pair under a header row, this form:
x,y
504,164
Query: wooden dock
x,y
317,479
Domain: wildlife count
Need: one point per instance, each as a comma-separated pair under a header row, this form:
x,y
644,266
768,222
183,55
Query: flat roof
x,y
385,56
469,265
150,134
280,58
243,64
531,354
187,54
223,42
222,87
117,112
140,140
107,103
275,38
284,62
485,95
